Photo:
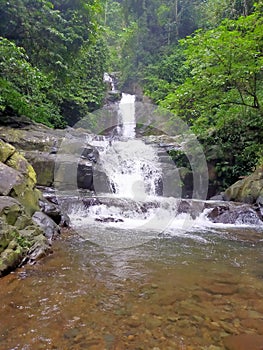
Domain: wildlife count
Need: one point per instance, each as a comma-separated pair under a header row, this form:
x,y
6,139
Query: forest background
x,y
200,59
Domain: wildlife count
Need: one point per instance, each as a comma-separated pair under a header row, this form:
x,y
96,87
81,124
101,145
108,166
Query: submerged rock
x,y
244,342
109,219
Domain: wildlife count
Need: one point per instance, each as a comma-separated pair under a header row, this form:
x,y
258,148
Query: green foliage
x,y
23,242
144,29
166,75
212,12
239,143
84,90
219,92
24,88
54,68
226,77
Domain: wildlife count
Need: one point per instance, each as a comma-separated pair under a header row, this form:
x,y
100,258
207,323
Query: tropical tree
x,y
222,97
225,66
62,41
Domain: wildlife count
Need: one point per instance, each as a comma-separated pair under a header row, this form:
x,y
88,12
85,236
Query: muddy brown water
x,y
166,294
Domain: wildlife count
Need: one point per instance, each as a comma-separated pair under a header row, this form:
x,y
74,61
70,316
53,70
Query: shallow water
x,y
169,293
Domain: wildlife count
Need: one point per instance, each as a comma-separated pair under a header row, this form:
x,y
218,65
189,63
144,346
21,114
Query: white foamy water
x,y
132,169
127,115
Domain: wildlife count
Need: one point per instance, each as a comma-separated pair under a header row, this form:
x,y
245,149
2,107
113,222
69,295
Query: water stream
x,y
136,273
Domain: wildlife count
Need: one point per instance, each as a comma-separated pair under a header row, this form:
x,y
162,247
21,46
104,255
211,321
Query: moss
x,y
20,240
6,151
12,213
4,241
27,197
11,257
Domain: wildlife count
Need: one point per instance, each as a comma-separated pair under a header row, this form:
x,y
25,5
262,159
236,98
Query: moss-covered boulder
x,y
6,151
247,190
18,178
19,236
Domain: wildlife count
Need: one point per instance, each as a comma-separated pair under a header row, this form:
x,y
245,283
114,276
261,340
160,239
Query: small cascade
x,y
139,202
108,79
132,169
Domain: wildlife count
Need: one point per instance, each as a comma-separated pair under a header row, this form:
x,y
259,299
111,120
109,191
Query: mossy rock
x,y
4,239
9,178
247,190
232,192
19,163
27,197
14,251
10,210
13,213
6,151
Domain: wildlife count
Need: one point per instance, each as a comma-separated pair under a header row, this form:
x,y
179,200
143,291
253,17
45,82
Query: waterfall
x,y
127,116
141,200
131,165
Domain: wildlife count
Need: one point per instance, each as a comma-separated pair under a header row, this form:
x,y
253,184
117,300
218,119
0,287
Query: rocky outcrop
x,y
18,178
247,190
59,157
21,236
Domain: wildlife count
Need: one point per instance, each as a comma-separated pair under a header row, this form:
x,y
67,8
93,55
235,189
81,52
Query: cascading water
x,y
132,170
132,210
131,165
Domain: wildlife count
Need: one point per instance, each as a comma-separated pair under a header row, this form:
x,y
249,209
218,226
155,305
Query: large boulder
x,y
247,190
59,157
49,227
18,178
19,236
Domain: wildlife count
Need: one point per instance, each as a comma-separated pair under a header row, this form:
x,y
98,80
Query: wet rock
x,y
244,342
49,227
54,211
242,214
221,288
109,219
72,173
218,197
193,208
